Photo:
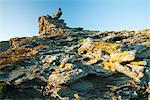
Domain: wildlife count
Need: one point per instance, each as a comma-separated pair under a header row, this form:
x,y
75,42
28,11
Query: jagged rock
x,y
49,27
53,26
72,63
16,42
112,58
57,14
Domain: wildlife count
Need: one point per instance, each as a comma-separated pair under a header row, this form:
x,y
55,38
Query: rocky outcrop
x,y
52,26
72,63
49,27
57,14
113,58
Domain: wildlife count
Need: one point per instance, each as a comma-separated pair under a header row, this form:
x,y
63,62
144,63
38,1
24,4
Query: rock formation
x,y
49,27
72,63
57,14
52,26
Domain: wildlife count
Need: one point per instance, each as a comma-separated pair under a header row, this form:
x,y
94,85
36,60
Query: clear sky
x,y
20,17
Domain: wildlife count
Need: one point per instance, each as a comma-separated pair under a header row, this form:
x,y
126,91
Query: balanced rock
x,y
57,14
51,26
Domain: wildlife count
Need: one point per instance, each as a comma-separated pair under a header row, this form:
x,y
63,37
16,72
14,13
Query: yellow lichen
x,y
93,50
107,47
122,56
68,66
109,65
138,63
112,61
33,53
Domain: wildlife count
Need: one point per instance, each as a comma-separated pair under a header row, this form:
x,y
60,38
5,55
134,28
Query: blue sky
x,y
20,17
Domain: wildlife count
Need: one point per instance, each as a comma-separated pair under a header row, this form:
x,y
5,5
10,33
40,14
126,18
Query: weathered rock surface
x,y
4,45
72,63
52,26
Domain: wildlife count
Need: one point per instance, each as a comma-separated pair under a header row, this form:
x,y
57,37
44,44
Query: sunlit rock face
x,y
50,27
72,63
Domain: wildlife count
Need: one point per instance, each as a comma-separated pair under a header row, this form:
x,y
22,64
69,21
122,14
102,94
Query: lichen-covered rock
x,y
112,59
72,63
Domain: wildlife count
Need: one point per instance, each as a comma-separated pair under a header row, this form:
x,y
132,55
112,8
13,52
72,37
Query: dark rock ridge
x,y
72,63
